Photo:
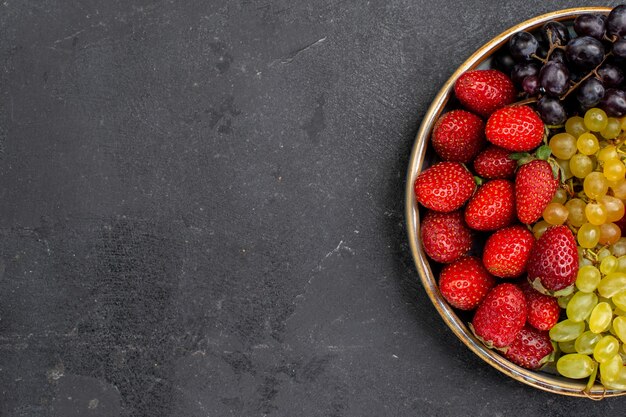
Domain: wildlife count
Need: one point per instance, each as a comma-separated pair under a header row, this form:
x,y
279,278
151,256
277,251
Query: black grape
x,y
616,22
590,93
559,35
614,103
589,25
551,111
522,45
554,78
585,52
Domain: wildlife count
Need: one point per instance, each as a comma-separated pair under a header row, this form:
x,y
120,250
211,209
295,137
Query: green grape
x,y
619,299
600,318
619,248
588,278
619,383
564,300
614,208
609,369
566,330
602,299
595,185
580,306
575,365
611,284
606,348
580,165
563,145
567,347
621,264
596,119
603,253
608,264
609,233
576,209
575,126
619,189
607,153
614,170
612,130
586,342
595,213
566,172
560,196
555,213
587,144
540,228
619,326
588,235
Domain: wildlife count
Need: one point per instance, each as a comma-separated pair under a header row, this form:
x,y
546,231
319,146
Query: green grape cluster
x,y
592,337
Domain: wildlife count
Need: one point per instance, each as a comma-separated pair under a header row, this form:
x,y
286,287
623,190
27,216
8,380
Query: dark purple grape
x,y
554,78
504,62
589,25
559,35
585,52
614,103
558,55
523,70
531,85
522,45
616,22
551,111
590,92
610,75
619,49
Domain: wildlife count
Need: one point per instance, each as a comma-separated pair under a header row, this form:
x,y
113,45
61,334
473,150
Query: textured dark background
x,y
201,210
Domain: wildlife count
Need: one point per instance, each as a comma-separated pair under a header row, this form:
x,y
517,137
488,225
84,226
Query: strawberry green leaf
x,y
543,152
478,180
518,155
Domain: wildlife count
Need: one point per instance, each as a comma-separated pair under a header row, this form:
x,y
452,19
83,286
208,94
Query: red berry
x,y
494,162
445,236
553,260
492,207
465,283
506,251
535,186
531,348
516,128
484,91
500,316
542,310
458,136
444,187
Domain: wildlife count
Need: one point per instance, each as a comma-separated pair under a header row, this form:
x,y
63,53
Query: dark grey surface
x,y
201,210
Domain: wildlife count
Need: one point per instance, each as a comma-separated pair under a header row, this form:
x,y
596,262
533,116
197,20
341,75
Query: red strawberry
x,y
445,236
535,186
553,261
484,91
531,348
542,310
458,136
465,283
506,251
500,316
492,207
494,162
445,186
516,128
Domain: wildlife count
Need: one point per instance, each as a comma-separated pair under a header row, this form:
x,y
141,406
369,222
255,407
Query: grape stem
x,y
585,78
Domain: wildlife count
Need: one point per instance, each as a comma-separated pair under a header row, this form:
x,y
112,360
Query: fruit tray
x,y
423,156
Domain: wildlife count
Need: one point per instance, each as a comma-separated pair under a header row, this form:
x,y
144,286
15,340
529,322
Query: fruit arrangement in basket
x,y
524,207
